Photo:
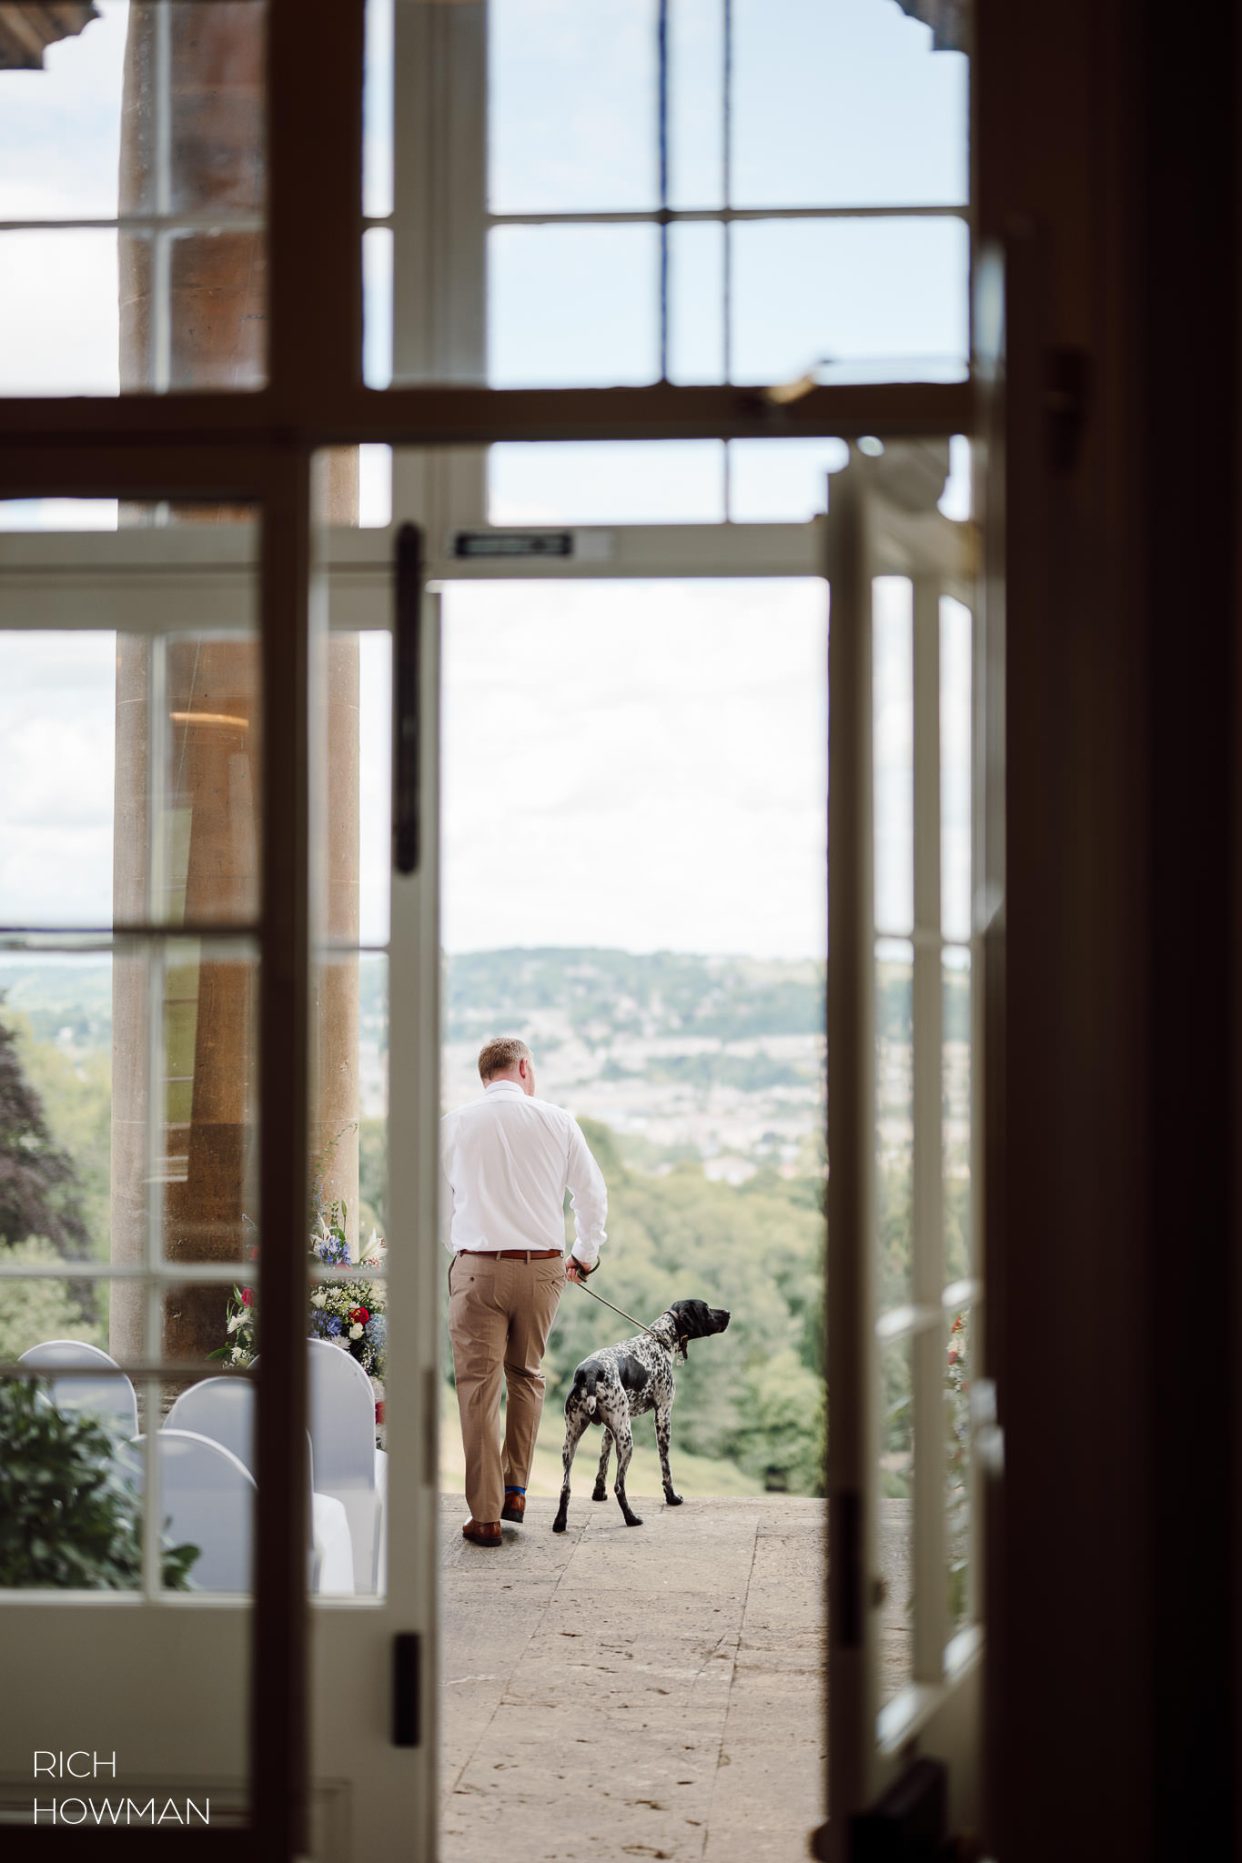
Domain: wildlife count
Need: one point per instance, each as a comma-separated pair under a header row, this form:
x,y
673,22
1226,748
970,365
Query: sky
x,y
641,765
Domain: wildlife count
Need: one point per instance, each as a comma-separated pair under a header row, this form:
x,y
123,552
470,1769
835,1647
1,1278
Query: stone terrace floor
x,y
654,1691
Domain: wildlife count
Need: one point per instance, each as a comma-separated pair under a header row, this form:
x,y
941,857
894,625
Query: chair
x,y
223,1409
207,1499
109,1397
347,1463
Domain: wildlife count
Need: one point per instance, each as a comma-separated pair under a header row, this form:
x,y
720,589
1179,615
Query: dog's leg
x,y
575,1423
601,1479
663,1420
624,1437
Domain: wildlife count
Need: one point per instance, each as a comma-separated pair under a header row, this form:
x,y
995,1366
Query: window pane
x,y
844,103
377,307
894,1114
607,482
873,297
59,313
60,128
957,1466
155,112
573,306
572,105
696,302
955,768
696,125
896,1537
133,778
783,481
893,750
955,1087
377,99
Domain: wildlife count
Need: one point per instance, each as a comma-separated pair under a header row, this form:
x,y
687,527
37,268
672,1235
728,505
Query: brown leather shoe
x,y
482,1532
514,1509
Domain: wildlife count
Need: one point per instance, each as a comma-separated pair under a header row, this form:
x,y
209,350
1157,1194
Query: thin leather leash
x,y
626,1316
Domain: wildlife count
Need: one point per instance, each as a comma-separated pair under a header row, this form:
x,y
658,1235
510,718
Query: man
x,y
507,1161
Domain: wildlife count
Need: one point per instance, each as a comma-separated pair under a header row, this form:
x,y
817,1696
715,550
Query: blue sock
x,y
512,1490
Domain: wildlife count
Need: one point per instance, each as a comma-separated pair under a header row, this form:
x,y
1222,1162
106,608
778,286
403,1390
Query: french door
x,y
140,933
904,1288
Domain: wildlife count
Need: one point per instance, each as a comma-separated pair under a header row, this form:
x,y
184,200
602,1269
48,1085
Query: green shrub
x,y
67,1519
34,1310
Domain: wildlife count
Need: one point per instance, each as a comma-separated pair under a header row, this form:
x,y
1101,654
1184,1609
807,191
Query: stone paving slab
x,y
654,1691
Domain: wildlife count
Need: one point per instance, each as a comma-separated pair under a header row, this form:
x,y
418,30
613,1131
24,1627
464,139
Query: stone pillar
x,y
210,797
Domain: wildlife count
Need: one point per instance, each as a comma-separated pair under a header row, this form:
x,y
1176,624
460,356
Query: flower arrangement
x,y
351,1314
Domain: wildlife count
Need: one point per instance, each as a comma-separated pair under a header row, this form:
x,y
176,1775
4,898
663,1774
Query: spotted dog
x,y
624,1381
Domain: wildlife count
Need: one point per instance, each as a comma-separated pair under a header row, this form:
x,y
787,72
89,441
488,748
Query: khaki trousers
x,y
500,1315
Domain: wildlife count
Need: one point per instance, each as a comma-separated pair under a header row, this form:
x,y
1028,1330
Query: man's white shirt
x,y
506,1162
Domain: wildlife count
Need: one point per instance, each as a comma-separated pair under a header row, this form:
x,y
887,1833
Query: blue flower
x,y
376,1330
333,1325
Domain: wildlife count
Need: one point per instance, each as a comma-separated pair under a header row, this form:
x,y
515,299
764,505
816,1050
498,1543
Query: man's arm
x,y
589,1195
446,1186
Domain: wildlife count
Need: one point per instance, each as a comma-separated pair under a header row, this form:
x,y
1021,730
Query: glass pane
x,y
893,750
152,734
894,1107
377,307
607,482
957,1469
866,298
72,1514
956,1009
60,127
844,103
696,302
346,1319
572,306
896,1518
572,94
377,99
153,112
59,313
781,481
956,685
696,54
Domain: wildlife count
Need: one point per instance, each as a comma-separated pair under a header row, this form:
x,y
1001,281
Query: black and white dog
x,y
622,1382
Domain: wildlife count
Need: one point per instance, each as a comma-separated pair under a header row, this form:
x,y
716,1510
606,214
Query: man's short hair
x,y
497,1057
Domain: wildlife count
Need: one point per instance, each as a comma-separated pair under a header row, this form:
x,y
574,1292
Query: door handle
x,y
406,700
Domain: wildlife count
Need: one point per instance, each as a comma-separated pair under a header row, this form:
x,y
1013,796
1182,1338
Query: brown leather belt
x,y
514,1254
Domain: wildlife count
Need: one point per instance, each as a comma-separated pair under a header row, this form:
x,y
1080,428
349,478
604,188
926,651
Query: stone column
x,y
209,799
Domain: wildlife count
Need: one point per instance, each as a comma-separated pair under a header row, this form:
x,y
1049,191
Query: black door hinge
x,y
407,1689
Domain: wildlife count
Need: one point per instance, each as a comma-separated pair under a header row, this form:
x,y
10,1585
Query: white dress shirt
x,y
506,1162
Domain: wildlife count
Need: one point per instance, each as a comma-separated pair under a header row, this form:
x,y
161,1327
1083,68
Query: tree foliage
x,y
38,1186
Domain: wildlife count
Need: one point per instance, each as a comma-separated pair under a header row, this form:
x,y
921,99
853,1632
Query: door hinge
x,y
407,1689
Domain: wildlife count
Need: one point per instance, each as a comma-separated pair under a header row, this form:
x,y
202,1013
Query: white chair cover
x,y
206,1498
348,1466
111,1398
224,1410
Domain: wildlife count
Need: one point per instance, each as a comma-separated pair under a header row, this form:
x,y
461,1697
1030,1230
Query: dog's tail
x,y
586,1378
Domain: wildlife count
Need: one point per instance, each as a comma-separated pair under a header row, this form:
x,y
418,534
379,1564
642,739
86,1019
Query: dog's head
x,y
694,1319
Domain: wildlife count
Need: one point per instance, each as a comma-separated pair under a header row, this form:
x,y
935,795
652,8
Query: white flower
x,y
355,1331
235,1320
237,1352
319,1298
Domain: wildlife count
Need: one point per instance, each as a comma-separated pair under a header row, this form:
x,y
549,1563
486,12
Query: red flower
x,y
379,1410
359,1315
247,1297
953,1355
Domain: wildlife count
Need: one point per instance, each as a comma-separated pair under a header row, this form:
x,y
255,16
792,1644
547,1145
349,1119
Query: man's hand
x,y
574,1270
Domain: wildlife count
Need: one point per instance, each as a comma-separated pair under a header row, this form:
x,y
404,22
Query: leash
x,y
617,1310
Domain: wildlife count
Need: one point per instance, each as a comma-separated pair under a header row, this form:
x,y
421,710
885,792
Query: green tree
x,y
38,1186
